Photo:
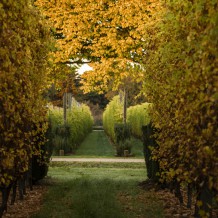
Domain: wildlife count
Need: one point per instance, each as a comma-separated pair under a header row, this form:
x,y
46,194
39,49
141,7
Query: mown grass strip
x,y
96,144
96,190
98,165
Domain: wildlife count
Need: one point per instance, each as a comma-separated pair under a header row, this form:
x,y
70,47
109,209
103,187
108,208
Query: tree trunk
x,y
124,106
65,107
204,202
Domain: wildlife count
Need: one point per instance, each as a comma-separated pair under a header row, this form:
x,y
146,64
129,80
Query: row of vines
x,y
68,135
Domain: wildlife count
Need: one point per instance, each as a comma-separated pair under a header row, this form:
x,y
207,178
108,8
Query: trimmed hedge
x,y
68,136
120,134
123,138
149,143
112,115
138,116
181,81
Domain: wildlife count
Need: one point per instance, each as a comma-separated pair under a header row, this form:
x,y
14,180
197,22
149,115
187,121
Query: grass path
x,y
97,145
94,184
97,190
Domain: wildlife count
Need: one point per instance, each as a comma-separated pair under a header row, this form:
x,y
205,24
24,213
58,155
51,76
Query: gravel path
x,y
113,160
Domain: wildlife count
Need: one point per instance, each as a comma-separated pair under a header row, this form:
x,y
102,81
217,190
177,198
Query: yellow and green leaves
x,y
24,70
180,77
109,33
78,119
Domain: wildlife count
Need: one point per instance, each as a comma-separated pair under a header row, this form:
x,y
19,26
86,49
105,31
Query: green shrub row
x,y
123,139
138,116
112,115
68,136
119,133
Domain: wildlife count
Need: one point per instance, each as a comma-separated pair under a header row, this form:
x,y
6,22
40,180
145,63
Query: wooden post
x,y
69,100
61,152
126,153
65,107
67,103
124,106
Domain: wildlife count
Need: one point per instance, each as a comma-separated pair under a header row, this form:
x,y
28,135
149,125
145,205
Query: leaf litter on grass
x,y
143,201
144,204
25,208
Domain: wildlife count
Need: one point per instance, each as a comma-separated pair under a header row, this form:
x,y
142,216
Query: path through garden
x,y
84,186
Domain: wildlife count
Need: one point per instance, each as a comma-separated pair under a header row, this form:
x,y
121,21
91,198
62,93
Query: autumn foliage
x,y
24,69
181,81
138,116
109,34
175,46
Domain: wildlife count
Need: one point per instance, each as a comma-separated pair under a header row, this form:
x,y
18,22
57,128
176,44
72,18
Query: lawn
x,y
97,190
97,145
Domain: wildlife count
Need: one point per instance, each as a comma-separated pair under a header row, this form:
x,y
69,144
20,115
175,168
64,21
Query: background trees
x,y
109,34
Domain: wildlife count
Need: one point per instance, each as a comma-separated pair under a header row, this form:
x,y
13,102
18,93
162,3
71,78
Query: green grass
x,y
137,148
118,165
95,191
97,145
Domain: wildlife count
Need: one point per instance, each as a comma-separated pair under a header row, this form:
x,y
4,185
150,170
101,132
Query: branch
x,y
76,62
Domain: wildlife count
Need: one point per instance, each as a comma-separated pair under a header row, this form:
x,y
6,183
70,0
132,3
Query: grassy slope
x,y
95,190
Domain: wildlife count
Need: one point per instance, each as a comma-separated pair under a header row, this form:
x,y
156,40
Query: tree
x,y
109,34
65,79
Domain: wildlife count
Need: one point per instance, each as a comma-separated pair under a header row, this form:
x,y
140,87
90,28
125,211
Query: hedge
x,y
68,136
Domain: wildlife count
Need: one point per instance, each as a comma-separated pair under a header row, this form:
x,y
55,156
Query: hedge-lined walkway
x,y
97,145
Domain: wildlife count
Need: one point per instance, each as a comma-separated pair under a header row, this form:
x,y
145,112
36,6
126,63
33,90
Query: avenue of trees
x,y
175,45
167,48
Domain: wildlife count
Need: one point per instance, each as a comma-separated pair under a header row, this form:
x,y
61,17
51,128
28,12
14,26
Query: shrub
x,y
69,135
112,115
138,116
123,136
149,143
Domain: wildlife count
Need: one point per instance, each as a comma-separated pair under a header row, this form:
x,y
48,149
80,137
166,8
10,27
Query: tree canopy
x,y
110,34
